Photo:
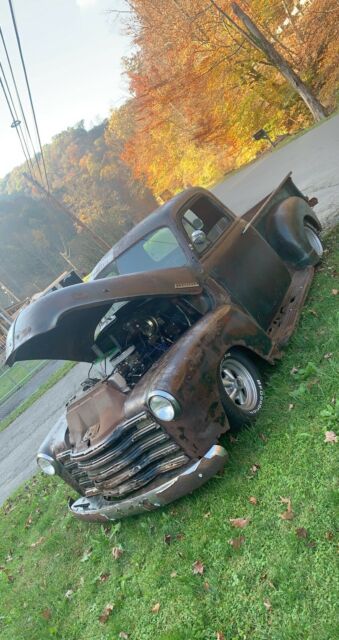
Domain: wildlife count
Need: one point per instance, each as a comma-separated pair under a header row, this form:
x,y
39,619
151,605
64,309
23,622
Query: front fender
x,y
285,231
190,372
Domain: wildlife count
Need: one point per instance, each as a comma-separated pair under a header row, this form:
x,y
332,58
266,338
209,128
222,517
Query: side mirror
x,y
199,238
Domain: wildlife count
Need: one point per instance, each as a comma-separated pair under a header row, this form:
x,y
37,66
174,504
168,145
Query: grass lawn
x,y
274,579
14,378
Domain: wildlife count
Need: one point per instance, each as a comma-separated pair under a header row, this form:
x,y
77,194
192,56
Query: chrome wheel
x,y
314,240
239,384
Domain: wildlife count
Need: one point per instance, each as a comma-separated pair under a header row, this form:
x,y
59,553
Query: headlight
x,y
164,406
46,464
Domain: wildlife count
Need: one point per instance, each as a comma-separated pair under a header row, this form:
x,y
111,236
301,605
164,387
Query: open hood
x,y
61,325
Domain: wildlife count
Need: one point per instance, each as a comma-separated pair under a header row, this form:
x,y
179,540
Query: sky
x,y
72,50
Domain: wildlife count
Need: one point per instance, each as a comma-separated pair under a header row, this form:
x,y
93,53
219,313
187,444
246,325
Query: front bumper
x,y
99,509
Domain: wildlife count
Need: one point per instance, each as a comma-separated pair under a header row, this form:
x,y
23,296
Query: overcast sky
x,y
72,50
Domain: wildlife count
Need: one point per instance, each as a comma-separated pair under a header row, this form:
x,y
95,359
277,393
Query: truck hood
x,y
61,325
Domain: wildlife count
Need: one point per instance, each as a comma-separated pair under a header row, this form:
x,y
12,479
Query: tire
x,y
314,241
241,388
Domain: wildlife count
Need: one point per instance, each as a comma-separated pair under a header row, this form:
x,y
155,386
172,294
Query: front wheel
x,y
314,240
241,387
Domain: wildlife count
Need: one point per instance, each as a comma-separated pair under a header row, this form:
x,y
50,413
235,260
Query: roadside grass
x,y
14,378
52,380
58,574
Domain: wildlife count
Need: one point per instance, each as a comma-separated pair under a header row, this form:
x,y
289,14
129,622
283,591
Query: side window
x,y
204,223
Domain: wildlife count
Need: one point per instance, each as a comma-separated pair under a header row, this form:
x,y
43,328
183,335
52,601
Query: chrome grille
x,y
136,453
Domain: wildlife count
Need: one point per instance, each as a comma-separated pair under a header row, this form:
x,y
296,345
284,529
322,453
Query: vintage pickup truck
x,y
175,322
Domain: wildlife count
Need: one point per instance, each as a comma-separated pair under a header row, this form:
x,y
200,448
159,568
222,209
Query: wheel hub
x,y
238,384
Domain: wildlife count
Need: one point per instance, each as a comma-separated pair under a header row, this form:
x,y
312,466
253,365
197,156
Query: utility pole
x,y
97,239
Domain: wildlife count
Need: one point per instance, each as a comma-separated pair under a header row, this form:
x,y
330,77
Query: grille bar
x,y
135,454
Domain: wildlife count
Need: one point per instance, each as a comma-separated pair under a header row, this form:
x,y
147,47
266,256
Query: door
x,y
243,263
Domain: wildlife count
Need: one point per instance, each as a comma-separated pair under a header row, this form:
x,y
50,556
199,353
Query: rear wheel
x,y
314,240
241,387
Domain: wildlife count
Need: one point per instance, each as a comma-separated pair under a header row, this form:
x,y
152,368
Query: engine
x,y
138,334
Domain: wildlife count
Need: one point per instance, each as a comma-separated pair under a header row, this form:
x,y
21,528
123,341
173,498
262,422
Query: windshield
x,y
158,250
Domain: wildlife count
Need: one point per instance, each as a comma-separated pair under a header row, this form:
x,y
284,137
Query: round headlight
x,y
163,406
46,464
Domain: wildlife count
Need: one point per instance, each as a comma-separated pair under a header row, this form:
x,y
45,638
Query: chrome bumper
x,y
99,509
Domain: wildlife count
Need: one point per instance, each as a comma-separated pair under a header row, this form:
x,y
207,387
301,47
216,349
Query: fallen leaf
x,y
240,523
39,541
174,574
330,437
335,292
290,406
232,439
155,608
28,522
262,437
294,370
220,635
252,500
301,532
86,555
103,577
47,614
123,635
328,355
288,514
69,594
198,567
237,542
180,536
167,538
206,585
267,604
329,535
207,514
117,552
106,613
312,544
313,312
255,468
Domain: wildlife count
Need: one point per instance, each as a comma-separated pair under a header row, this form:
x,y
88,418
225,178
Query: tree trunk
x,y
259,40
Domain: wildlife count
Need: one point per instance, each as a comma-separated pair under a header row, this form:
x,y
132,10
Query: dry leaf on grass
x,y
252,500
240,523
290,406
69,594
174,574
39,541
106,613
237,542
330,437
117,552
156,607
328,355
267,604
198,567
28,522
207,514
335,292
206,585
103,577
288,514
232,439
47,614
123,635
329,535
301,532
294,370
220,635
167,538
255,467
263,438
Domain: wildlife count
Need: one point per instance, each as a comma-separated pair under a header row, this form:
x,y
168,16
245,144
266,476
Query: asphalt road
x,y
314,160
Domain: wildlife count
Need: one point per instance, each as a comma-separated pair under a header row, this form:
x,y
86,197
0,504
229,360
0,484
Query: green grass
x,y
13,378
294,576
52,380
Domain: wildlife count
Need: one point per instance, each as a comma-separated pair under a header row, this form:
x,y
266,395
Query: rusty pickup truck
x,y
175,322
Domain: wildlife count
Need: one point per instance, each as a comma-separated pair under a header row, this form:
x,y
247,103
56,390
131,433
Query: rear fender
x,y
284,229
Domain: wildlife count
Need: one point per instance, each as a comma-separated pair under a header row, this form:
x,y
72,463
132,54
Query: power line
x,y
29,90
20,103
16,124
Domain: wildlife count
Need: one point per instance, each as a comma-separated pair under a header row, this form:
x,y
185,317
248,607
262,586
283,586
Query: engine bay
x,y
135,334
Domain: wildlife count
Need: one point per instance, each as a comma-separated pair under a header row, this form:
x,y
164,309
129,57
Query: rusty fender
x,y
98,509
190,372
